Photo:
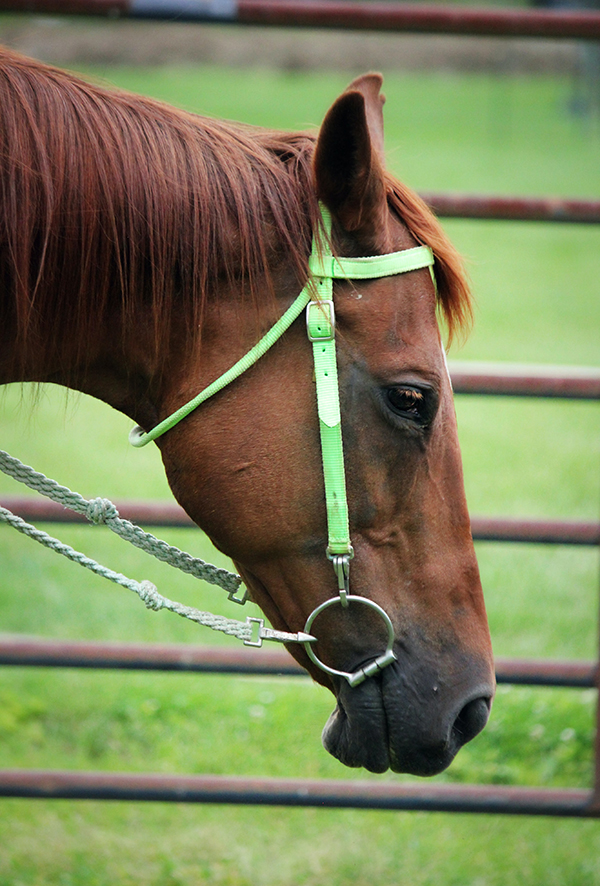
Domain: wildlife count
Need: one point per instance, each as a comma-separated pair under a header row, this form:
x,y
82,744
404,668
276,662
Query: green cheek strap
x,y
138,437
320,325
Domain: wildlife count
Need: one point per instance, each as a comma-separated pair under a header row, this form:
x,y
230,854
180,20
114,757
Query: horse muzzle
x,y
407,718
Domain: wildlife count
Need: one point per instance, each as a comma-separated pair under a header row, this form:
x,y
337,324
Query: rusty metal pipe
x,y
546,209
40,652
165,514
342,14
523,380
494,799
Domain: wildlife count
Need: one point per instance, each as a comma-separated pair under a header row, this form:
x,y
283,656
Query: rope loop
x,y
100,510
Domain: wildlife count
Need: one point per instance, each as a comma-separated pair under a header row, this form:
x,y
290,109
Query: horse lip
x,y
359,734
345,739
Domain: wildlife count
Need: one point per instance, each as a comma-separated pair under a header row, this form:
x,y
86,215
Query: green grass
x,y
537,301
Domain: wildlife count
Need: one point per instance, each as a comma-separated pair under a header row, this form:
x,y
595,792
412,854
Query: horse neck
x,y
95,237
117,365
145,376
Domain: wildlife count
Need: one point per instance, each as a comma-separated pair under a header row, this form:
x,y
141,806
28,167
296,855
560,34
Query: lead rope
x,y
102,511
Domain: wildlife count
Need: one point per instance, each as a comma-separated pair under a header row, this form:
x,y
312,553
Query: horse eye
x,y
408,403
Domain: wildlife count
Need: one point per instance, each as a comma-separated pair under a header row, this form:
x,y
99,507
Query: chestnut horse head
x,y
143,251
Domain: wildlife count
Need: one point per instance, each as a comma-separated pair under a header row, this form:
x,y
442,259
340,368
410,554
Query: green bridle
x,y
317,298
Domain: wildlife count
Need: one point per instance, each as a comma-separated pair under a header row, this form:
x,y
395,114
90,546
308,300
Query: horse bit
x,y
317,298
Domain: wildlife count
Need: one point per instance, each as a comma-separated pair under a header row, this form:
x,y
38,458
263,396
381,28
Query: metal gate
x,y
537,382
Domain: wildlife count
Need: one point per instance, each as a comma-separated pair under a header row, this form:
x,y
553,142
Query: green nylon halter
x,y
317,298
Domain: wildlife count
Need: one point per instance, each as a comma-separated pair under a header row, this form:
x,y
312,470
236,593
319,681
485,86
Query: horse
x,y
143,250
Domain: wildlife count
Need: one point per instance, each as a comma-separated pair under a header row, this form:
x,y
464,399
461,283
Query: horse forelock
x,y
112,204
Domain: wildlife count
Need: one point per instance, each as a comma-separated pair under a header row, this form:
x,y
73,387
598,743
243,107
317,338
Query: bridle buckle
x,y
320,320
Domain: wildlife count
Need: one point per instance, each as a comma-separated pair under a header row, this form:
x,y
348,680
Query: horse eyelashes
x,y
409,403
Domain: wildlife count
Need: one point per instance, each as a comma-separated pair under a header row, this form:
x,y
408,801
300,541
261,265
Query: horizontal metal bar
x,y
43,510
545,209
502,529
40,652
547,672
555,532
525,380
421,18
342,14
430,797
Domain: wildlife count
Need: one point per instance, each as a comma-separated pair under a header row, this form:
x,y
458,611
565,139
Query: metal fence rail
x,y
342,794
342,14
22,651
482,206
567,532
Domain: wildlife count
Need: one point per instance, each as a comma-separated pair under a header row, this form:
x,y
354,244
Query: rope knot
x,y
150,596
99,510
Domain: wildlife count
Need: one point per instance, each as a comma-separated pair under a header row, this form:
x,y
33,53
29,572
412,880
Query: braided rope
x,y
103,511
145,590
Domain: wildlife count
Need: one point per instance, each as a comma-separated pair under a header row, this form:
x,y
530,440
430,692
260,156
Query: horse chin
x,y
370,729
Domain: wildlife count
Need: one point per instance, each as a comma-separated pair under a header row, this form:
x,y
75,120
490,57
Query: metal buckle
x,y
326,319
241,600
261,623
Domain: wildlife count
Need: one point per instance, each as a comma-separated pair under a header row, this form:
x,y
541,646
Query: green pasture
x,y
537,301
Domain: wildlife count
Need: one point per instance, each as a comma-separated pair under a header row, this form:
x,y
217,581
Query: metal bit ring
x,y
354,678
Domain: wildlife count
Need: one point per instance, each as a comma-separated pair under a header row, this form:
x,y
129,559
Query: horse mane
x,y
114,205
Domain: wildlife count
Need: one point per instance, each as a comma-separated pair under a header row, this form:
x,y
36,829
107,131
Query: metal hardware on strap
x,y
320,320
241,600
341,567
278,636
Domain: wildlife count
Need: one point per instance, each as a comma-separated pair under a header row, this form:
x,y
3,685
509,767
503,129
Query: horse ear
x,y
348,161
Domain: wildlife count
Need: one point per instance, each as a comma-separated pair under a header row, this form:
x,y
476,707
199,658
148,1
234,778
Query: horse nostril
x,y
471,720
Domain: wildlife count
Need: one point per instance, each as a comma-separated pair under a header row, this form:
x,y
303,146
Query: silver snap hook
x,y
341,567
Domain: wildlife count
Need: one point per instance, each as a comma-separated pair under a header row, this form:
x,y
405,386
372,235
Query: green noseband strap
x,y
317,298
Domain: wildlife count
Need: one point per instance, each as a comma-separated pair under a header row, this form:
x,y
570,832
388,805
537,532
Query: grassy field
x,y
537,302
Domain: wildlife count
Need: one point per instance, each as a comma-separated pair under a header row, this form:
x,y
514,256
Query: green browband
x,y
370,267
317,298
